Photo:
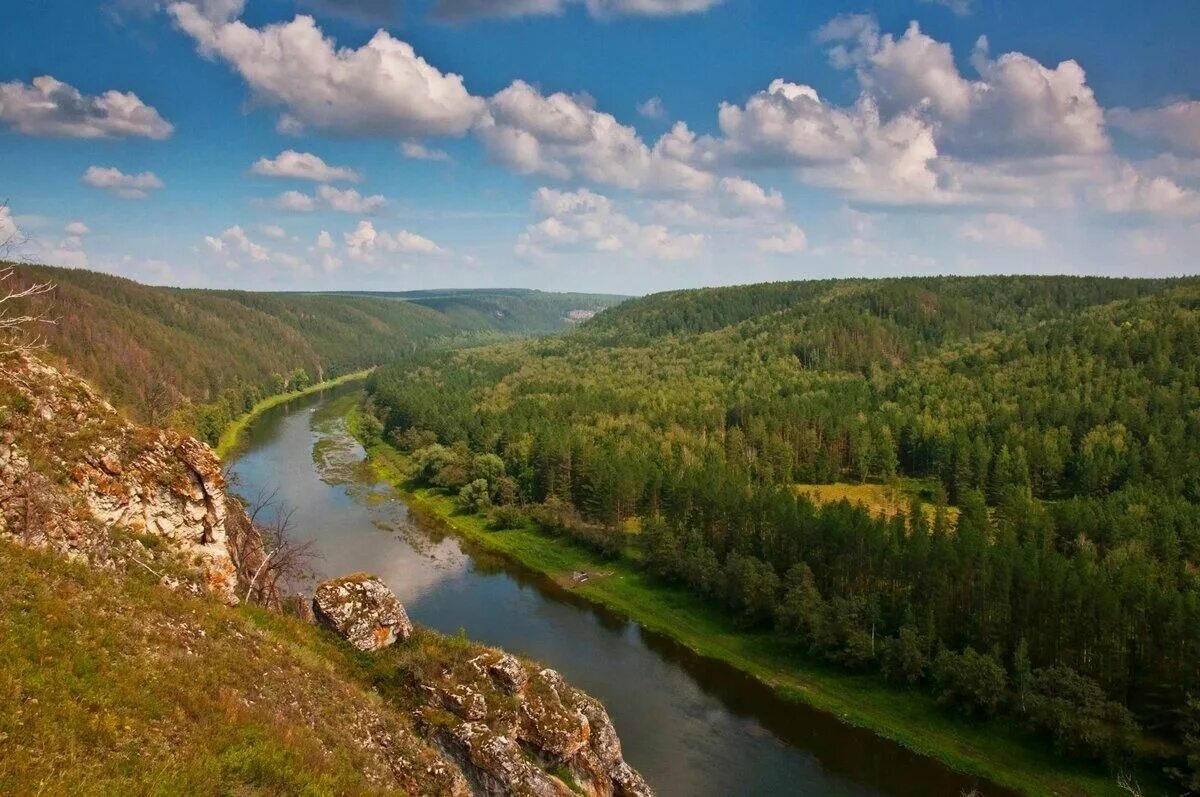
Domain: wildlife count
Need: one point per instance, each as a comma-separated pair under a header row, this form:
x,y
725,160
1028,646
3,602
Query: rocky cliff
x,y
77,478
136,505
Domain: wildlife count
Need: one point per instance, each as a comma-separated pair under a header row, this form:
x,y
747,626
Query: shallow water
x,y
690,725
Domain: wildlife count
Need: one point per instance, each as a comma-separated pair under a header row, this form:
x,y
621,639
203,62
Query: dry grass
x,y
881,500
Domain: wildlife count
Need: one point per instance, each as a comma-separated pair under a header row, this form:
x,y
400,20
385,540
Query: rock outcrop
x,y
508,727
516,729
362,609
73,471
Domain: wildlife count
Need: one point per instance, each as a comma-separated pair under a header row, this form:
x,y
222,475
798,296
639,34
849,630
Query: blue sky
x,y
615,145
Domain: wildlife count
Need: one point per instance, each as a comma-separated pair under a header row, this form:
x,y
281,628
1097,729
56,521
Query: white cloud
x,y
1002,229
234,242
791,241
589,222
127,186
414,150
563,136
272,231
1176,124
380,89
295,201
345,200
1130,191
77,229
49,107
745,197
349,200
324,240
652,108
303,166
364,242
462,10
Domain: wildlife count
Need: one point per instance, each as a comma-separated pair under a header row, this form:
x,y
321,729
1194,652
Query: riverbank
x,y
998,752
233,432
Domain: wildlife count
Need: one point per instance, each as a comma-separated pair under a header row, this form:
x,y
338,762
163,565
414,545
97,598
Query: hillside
x,y
518,311
163,352
1043,432
144,647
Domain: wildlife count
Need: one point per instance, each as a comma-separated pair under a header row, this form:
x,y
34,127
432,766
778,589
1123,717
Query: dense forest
x,y
1045,430
198,358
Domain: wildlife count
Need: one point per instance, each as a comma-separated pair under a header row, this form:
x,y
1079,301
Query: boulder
x,y
362,609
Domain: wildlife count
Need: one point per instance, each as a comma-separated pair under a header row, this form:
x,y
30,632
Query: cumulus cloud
x,y
303,166
584,221
380,89
126,186
790,241
414,150
77,229
564,136
233,241
745,197
1176,124
364,242
463,10
349,200
49,107
330,197
652,108
1002,229
1131,191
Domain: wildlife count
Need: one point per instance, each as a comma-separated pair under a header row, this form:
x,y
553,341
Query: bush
x,y
475,497
1078,715
904,658
969,683
506,517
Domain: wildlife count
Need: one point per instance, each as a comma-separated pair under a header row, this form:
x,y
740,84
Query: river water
x,y
690,725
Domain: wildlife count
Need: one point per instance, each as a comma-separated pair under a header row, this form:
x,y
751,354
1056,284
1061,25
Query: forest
x,y
1045,433
199,358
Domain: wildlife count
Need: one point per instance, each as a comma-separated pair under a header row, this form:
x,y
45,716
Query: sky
x,y
624,146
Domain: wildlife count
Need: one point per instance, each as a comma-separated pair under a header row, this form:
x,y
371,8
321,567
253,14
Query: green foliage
x,y
475,497
1060,417
1077,714
904,657
969,683
201,358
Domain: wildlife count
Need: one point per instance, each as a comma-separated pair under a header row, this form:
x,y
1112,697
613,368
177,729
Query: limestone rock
x,y
362,609
508,673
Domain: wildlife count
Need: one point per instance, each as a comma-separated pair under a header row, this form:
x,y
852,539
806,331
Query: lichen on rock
x,y
363,610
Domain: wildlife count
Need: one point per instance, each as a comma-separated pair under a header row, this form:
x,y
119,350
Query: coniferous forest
x,y
1044,434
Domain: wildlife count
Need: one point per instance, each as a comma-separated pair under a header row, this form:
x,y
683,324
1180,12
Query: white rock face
x,y
362,609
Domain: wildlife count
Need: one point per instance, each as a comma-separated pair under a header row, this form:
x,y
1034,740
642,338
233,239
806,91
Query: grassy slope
x,y
121,686
996,751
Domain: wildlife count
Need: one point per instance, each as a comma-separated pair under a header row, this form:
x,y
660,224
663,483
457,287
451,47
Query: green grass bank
x,y
233,432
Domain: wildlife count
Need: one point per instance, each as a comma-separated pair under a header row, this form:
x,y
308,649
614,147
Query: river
x,y
690,725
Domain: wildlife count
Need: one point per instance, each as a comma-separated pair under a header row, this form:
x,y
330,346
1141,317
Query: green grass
x,y
233,432
996,751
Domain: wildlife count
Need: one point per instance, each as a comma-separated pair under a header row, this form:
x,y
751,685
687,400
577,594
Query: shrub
x,y
1078,715
969,683
475,497
904,658
506,517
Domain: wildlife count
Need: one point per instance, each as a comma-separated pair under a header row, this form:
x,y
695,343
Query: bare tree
x,y
1127,783
19,322
268,557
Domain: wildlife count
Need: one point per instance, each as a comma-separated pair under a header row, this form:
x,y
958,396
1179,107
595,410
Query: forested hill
x,y
516,310
158,352
1033,446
